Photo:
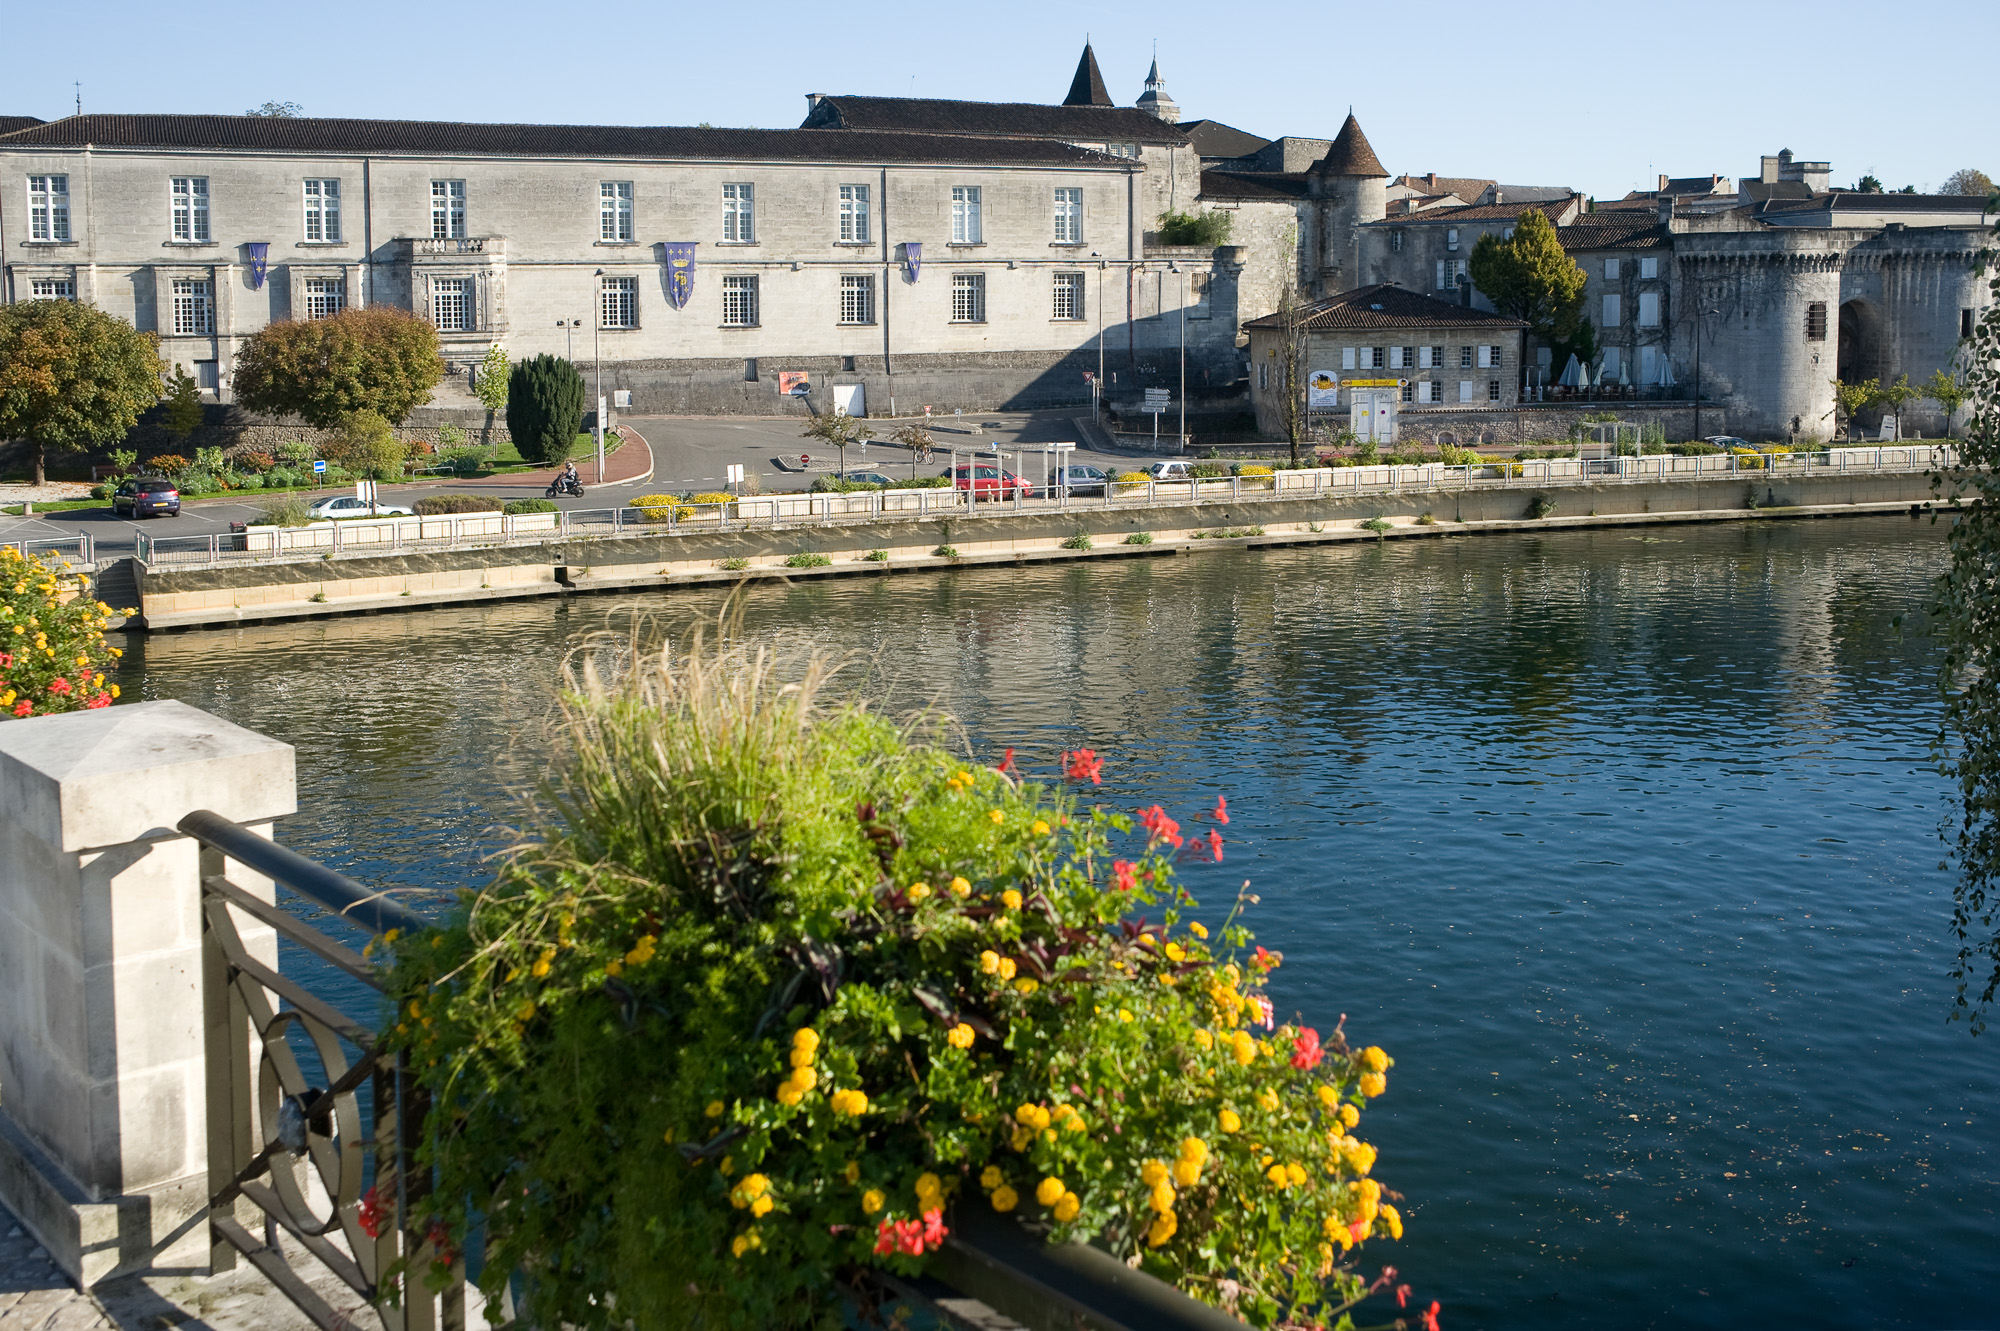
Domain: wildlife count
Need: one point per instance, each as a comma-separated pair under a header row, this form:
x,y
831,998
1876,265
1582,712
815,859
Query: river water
x,y
1624,846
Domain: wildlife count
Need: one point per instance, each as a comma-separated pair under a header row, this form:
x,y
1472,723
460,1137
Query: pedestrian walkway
x,y
632,462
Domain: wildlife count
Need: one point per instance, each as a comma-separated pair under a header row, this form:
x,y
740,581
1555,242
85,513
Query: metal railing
x,y
394,536
79,549
292,1155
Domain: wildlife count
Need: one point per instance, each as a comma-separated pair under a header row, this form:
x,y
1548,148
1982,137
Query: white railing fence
x,y
78,549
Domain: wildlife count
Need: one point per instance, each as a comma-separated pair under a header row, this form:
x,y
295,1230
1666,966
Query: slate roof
x,y
1488,212
1087,88
1387,307
8,124
1275,186
1614,231
1432,185
1972,205
452,139
1212,138
1006,120
1350,154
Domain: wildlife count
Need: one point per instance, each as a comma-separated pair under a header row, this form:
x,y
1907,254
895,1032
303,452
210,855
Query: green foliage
x,y
1944,389
376,358
431,506
835,430
72,377
278,111
516,507
946,552
782,976
1198,228
490,380
808,559
288,511
1377,525
545,400
53,656
367,447
1530,276
1541,506
210,460
1968,180
876,557
1139,538
1080,541
735,565
123,460
1208,471
183,414
1868,185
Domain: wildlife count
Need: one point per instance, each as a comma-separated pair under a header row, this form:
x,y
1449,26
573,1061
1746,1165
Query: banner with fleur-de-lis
x,y
680,271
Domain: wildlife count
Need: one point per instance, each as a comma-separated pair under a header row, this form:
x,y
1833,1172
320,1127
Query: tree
x,y
1868,185
1967,180
1209,228
183,415
278,111
366,446
72,376
491,384
1964,610
1530,276
916,437
545,408
1892,398
836,430
1944,389
1850,400
377,359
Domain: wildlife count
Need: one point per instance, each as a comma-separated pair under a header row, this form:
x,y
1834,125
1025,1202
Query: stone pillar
x,y
103,1088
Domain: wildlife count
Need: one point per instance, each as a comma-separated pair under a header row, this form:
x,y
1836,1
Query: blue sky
x,y
1597,97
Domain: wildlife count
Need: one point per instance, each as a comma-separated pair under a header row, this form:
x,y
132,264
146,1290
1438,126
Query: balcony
x,y
457,247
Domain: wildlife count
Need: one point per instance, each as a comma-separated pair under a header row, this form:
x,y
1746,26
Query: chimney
x,y
1768,172
1431,182
1663,183
1496,196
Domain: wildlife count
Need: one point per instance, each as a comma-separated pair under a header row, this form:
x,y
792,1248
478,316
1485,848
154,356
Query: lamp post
x,y
1698,317
569,339
1183,276
1099,395
597,356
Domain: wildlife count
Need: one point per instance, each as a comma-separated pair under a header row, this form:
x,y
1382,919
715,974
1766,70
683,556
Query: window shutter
x,y
1440,281
1465,390
1611,311
1485,357
1347,358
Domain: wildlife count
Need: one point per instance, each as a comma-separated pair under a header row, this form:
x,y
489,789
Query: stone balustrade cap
x,y
119,774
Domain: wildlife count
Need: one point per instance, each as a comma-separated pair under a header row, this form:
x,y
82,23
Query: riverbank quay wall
x,y
226,594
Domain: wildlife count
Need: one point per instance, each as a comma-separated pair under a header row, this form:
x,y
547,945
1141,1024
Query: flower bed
x,y
53,656
785,983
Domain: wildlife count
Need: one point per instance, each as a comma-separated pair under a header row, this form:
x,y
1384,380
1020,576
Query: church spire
x,y
1087,88
1155,100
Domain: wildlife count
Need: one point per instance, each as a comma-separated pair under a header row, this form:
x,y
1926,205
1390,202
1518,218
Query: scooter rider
x,y
569,480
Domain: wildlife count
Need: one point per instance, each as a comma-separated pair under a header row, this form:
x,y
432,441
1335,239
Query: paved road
x,y
689,453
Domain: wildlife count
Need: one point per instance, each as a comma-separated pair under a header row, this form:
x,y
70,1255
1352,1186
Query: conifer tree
x,y
545,408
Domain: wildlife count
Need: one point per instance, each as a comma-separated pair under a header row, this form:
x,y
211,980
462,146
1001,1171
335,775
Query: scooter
x,y
564,486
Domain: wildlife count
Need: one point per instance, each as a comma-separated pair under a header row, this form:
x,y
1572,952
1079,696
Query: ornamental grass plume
x,y
700,1052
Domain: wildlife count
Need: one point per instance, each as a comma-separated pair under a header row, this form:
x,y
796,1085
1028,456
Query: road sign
x,y
1153,408
319,466
1157,395
735,473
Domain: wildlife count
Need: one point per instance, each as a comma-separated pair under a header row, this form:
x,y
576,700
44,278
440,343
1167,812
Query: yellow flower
x,y
1195,1149
728,1164
1244,1048
1395,1219
1005,1199
802,1058
1337,1232
1124,1014
1229,1121
1350,1115
761,1207
989,961
1175,952
524,1009
806,1038
960,888
1187,1173
1011,898
1374,1059
929,1190
1026,984
1007,968
960,1036
1203,1038
1278,1176
1267,1101
541,966
1360,1155
1162,1197
805,1078
1050,1191
1039,828
918,891
991,1177
789,1093
1373,1084
739,1245
1153,1173
1295,1172
1326,1095
996,815
1067,1207
872,1200
852,1171
715,1109
1161,1229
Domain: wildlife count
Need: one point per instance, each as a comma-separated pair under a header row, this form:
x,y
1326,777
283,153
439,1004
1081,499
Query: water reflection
x,y
1623,845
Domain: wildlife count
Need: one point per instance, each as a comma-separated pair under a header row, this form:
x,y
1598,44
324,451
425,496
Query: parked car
x,y
1726,442
990,482
1078,479
147,499
347,506
1171,471
868,478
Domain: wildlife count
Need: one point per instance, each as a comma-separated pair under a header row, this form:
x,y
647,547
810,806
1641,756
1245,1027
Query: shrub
x,y
1541,506
1695,448
431,506
946,552
545,399
1132,480
100,492
1377,525
1747,459
515,507
366,446
1258,475
817,980
53,657
835,485
1080,541
166,464
1139,538
297,453
876,557
468,459
248,482
655,508
287,511
1207,471
255,461
925,483
194,482
735,565
1426,520
279,478
1205,228
808,559
449,437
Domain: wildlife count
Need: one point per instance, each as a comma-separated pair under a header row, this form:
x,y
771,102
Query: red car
x,y
990,482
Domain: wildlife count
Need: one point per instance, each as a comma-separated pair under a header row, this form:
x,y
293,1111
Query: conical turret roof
x,y
1087,88
1349,154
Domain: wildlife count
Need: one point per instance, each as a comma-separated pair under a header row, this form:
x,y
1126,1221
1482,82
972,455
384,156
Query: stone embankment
x,y
173,598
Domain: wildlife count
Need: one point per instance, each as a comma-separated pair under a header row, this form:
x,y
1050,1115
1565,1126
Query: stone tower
x,y
1347,187
1155,100
1087,88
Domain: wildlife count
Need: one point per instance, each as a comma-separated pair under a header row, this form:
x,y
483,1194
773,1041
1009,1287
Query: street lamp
x,y
1699,315
569,343
1176,268
1099,386
597,356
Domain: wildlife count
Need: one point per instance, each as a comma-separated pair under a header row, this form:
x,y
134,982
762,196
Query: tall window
x,y
323,211
739,214
1493,356
1611,310
52,288
48,207
1611,270
190,195
194,307
857,299
614,210
965,215
1451,239
325,296
1649,268
1649,311
1465,358
447,209
1069,217
854,213
1069,296
1449,271
968,298
451,304
618,302
739,302
1492,390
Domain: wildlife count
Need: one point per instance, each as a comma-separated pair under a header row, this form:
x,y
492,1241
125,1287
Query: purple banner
x,y
913,260
680,271
259,254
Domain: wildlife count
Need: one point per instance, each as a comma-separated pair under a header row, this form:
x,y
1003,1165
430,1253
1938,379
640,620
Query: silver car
x,y
1078,479
347,506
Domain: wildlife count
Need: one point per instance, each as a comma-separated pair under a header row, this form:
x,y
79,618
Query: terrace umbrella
x,y
1573,374
1666,372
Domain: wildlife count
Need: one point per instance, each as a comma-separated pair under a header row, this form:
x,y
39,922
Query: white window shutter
x,y
1649,309
1611,311
1465,390
1347,358
1440,281
1485,357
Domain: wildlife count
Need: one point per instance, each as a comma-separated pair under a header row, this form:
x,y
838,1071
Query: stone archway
x,y
1863,353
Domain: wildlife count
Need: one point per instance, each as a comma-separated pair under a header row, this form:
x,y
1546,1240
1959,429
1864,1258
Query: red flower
x,y
24,708
1305,1049
369,1217
1007,763
101,700
1215,844
1084,764
1430,1317
1121,871
934,1230
58,685
1159,827
1267,961
910,1237
885,1238
6,660
1221,811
